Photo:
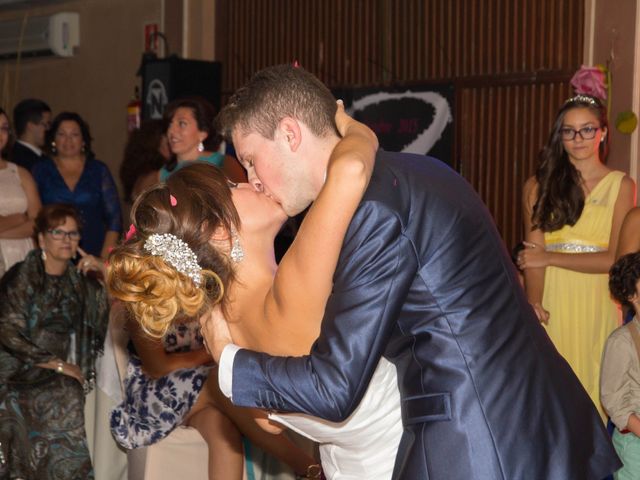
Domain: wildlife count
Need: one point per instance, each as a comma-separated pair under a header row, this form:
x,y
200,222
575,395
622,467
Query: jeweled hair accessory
x,y
176,253
583,99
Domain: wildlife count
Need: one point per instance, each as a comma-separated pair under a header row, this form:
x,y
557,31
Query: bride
x,y
230,230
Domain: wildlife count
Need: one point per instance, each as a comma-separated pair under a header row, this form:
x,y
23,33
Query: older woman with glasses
x,y
52,325
573,210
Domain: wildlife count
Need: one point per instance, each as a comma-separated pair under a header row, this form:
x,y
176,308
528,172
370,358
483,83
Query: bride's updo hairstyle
x,y
192,205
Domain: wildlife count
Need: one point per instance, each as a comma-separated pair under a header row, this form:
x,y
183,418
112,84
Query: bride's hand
x,y
215,332
345,122
354,155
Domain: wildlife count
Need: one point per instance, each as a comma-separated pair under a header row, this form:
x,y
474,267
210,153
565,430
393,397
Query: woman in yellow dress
x,y
573,209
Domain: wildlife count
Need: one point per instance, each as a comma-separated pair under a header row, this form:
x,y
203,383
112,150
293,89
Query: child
x,y
620,375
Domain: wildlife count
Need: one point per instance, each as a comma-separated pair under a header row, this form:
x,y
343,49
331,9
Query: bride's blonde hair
x,y
153,290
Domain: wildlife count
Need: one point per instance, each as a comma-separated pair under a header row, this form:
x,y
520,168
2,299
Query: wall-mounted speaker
x,y
167,79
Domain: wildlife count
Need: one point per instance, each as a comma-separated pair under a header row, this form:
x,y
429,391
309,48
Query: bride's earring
x,y
236,254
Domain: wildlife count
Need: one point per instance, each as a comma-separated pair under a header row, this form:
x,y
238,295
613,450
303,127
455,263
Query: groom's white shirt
x,y
225,369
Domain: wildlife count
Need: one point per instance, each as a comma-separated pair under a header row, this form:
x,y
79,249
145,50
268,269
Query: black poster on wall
x,y
414,120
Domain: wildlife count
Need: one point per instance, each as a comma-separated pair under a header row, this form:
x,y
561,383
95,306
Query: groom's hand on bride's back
x,y
215,332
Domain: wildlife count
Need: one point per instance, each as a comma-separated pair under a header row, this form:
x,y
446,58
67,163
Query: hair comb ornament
x,y
130,233
176,253
582,99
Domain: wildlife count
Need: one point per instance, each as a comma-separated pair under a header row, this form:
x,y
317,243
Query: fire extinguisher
x,y
134,109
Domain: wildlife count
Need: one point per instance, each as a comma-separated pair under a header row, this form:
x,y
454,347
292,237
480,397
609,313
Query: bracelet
x,y
314,472
60,367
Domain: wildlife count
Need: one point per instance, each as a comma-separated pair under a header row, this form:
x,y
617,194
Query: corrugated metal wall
x,y
510,61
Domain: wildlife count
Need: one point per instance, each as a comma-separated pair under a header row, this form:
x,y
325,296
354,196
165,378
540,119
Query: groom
x,y
424,280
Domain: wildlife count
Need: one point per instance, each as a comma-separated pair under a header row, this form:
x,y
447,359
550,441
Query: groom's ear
x,y
289,130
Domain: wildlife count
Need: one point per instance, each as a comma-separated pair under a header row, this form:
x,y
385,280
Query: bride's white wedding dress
x,y
364,446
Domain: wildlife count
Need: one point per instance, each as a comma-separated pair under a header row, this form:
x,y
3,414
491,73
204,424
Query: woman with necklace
x,y
74,176
192,137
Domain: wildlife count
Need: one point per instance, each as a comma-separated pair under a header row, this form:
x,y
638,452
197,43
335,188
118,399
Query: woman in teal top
x,y
192,137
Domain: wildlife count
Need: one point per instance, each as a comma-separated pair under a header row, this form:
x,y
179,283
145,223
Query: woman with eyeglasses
x,y
53,321
19,206
573,210
73,175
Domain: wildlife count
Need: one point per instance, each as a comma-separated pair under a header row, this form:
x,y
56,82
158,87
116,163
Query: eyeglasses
x,y
231,184
58,234
586,133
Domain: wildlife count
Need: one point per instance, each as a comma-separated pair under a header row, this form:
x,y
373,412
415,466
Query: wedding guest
x,y
73,175
573,211
32,120
52,326
19,207
166,386
192,137
146,152
620,377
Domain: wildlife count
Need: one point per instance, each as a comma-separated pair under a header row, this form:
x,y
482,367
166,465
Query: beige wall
x,y
199,33
611,31
99,80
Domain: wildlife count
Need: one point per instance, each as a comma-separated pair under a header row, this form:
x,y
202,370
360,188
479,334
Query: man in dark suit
x,y
31,120
423,279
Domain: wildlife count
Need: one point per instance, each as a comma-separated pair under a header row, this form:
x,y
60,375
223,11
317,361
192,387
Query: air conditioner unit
x,y
55,34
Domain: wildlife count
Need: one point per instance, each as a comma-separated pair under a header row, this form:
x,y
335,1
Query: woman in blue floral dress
x,y
166,386
160,394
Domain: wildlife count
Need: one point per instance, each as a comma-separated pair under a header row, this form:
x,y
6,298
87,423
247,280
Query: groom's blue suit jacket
x,y
425,280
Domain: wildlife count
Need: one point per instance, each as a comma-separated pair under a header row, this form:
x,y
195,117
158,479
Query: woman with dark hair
x,y
52,326
620,379
573,210
192,137
73,175
145,153
19,206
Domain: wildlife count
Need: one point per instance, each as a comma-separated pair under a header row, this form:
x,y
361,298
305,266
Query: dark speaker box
x,y
167,79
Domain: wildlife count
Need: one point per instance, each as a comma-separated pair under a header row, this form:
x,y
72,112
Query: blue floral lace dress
x,y
152,408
